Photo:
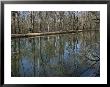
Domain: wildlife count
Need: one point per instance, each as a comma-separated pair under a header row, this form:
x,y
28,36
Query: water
x,y
61,55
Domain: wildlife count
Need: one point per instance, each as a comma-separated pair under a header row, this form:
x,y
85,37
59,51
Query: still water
x,y
61,55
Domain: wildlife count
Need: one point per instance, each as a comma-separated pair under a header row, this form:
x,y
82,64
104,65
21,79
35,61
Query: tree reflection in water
x,y
64,55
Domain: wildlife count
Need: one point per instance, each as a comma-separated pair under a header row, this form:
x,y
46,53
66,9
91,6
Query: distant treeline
x,y
23,22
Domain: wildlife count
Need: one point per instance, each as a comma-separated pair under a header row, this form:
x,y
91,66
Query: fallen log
x,y
44,33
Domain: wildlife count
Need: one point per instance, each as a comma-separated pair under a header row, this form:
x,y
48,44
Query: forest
x,y
23,22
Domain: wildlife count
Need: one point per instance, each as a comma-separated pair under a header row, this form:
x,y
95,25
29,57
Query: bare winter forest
x,y
51,21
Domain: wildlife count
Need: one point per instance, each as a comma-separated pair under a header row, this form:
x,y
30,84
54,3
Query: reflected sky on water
x,y
61,55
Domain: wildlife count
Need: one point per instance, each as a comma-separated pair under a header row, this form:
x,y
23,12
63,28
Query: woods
x,y
23,22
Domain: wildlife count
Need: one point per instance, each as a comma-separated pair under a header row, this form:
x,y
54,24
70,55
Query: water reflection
x,y
65,55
